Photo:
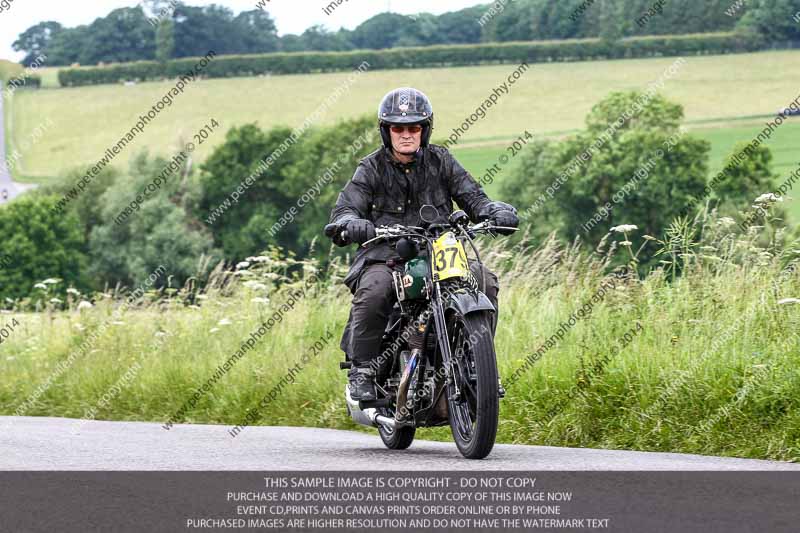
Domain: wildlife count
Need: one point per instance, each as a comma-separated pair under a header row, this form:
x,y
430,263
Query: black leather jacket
x,y
388,192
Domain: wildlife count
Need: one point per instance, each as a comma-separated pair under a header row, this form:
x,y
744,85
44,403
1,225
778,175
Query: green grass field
x,y
711,368
548,99
783,144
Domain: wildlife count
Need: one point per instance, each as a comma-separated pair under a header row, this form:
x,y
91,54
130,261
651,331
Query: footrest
x,y
374,404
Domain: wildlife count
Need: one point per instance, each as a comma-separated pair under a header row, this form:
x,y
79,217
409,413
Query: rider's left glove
x,y
502,214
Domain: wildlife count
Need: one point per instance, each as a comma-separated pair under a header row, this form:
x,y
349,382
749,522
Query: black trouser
x,y
372,303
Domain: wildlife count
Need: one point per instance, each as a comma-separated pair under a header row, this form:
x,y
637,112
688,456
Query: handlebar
x,y
397,231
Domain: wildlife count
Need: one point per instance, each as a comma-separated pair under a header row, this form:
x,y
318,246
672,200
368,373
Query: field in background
x,y
783,143
549,99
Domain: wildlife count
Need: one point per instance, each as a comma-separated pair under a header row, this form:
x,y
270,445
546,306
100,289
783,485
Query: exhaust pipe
x,y
405,382
367,417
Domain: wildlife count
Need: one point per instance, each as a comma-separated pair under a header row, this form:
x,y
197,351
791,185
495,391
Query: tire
x,y
397,439
474,416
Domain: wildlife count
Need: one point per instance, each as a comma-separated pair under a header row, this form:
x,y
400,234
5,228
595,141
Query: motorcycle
x,y
437,363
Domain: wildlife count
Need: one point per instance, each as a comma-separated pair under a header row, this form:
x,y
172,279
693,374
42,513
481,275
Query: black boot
x,y
362,383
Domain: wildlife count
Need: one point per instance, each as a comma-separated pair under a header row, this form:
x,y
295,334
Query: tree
x,y
35,40
200,29
121,36
747,180
258,32
314,168
265,199
159,232
776,20
40,244
165,40
641,171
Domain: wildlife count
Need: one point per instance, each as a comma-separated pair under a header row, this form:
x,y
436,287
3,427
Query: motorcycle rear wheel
x,y
399,438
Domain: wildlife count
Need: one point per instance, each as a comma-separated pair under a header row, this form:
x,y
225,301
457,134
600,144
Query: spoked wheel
x,y
473,396
398,438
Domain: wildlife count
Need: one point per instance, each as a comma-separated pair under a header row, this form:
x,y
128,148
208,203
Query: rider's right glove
x,y
360,230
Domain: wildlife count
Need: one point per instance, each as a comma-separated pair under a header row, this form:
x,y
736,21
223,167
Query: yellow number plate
x,y
449,258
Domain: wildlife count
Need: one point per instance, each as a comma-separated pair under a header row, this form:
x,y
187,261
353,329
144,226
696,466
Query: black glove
x,y
506,218
501,214
360,230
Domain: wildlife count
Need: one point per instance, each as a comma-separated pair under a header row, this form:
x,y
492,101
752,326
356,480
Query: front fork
x,y
443,339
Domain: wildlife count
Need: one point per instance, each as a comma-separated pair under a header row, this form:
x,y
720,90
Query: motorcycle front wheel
x,y
474,405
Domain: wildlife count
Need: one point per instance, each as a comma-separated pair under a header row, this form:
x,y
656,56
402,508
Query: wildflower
x,y
768,198
624,228
649,238
71,290
84,305
243,264
55,301
726,222
40,286
201,297
118,323
159,334
787,301
259,259
224,322
213,330
51,281
625,243
260,300
255,285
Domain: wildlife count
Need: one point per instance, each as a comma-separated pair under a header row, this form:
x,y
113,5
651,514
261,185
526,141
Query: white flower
x,y
787,301
51,281
76,292
224,322
213,330
259,259
202,297
260,300
255,285
243,264
625,243
40,286
55,301
623,228
159,334
768,198
84,305
726,222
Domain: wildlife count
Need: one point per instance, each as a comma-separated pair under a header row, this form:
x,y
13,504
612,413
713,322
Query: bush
x,y
422,57
644,172
39,245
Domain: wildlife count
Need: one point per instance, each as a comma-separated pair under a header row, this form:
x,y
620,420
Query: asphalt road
x,y
8,188
33,443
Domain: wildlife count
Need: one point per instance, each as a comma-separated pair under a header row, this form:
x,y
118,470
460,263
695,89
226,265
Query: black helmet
x,y
405,106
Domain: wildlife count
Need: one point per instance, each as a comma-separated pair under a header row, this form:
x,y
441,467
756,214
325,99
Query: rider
x,y
389,187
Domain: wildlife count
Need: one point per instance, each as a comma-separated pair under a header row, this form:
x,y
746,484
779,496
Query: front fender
x,y
468,302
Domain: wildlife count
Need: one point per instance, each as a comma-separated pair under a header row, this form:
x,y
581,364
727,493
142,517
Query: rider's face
x,y
406,139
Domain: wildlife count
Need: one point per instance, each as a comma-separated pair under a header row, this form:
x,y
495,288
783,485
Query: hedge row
x,y
28,81
423,57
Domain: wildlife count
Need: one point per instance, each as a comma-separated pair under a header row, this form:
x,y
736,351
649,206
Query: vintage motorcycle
x,y
437,363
